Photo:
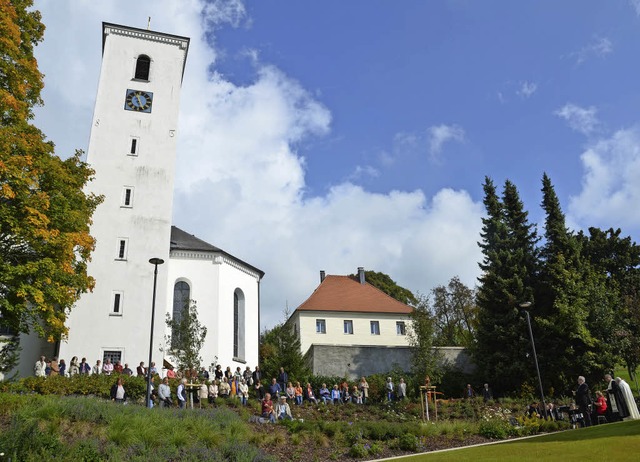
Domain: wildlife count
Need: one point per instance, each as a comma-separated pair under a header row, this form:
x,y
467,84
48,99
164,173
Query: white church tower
x,y
132,150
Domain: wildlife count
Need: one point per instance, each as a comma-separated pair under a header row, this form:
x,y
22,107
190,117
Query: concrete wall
x,y
356,361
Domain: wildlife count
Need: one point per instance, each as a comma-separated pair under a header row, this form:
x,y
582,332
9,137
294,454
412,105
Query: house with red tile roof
x,y
348,327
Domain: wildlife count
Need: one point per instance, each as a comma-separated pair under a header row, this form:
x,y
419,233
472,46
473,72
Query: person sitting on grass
x,y
335,395
224,388
290,391
309,394
118,393
298,393
267,408
325,394
356,395
275,388
346,397
283,411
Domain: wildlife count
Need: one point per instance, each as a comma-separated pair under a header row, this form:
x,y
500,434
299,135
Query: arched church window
x,y
143,64
238,324
181,297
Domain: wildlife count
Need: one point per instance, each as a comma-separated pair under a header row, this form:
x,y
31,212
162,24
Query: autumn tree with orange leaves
x,y
44,212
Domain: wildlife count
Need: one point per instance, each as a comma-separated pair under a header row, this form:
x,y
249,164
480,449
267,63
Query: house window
x,y
348,327
122,249
116,303
114,356
321,326
238,324
143,64
134,146
181,297
375,327
400,328
127,196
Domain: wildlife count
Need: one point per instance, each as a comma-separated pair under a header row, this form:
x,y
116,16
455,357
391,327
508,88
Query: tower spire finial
x,y
149,23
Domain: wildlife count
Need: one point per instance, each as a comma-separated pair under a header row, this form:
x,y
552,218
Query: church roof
x,y
347,294
182,240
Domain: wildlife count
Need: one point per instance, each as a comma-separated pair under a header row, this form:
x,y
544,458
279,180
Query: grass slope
x,y
615,442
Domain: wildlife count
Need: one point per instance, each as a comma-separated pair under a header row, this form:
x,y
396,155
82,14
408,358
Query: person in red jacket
x,y
600,406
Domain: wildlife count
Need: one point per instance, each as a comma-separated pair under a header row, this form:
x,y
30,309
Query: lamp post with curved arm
x,y
525,307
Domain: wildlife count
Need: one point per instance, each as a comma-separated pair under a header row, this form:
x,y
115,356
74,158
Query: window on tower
x,y
122,249
238,325
135,144
127,196
143,64
116,303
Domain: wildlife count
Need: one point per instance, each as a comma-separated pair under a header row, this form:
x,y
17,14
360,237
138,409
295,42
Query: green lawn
x,y
611,442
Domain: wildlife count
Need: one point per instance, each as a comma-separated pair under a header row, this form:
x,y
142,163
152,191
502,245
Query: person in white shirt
x,y
96,369
627,394
182,393
243,391
107,368
40,368
402,389
164,393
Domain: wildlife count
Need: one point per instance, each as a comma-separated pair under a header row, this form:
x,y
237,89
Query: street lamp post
x,y
155,262
525,306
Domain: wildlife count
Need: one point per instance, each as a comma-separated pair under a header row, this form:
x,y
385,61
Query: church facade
x,y
132,149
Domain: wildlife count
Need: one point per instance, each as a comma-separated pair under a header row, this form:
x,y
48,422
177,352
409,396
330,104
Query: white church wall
x,y
212,284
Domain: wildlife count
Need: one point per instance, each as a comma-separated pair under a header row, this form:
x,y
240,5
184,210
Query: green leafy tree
x,y
454,314
44,212
425,359
186,338
280,347
384,282
508,270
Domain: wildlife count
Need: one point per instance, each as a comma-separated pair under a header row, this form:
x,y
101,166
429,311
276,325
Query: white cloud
x,y
441,134
580,119
599,47
635,4
240,182
527,89
610,188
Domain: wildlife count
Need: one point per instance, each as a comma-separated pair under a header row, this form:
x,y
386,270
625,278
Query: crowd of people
x,y
613,404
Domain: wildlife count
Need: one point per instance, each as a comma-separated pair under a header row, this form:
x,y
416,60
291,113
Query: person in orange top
x,y
298,393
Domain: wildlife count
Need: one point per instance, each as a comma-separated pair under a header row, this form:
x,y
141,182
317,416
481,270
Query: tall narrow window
x,y
375,327
321,326
116,303
127,196
400,328
121,253
238,324
143,64
134,146
181,298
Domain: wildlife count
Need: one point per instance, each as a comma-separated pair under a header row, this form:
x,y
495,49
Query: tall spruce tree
x,y
509,267
572,303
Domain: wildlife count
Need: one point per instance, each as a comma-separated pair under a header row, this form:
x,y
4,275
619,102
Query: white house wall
x,y
212,280
306,325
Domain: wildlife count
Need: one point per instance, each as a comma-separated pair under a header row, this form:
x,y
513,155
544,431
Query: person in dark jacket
x,y
583,400
118,393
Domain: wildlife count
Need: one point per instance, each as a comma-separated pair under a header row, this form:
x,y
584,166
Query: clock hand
x,y
139,102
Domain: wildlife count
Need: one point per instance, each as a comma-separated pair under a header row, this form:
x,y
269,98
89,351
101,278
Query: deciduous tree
x,y
186,338
44,213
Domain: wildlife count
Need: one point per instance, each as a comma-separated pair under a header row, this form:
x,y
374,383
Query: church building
x,y
132,149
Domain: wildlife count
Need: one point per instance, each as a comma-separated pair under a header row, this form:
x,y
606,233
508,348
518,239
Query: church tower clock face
x,y
137,100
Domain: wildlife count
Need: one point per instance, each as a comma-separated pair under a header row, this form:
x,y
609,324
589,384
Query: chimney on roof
x,y
361,274
321,275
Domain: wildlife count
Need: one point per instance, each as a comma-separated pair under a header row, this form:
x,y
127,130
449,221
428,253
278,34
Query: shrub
x,y
494,429
358,450
408,442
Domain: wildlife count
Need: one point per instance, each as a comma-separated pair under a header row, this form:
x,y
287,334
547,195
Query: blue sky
x,y
331,135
